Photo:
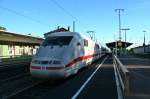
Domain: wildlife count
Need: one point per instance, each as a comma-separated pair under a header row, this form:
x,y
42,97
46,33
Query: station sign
x,y
119,44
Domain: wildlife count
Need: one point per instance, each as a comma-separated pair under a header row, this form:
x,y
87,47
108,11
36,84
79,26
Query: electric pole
x,y
73,26
125,45
144,41
125,31
91,34
119,18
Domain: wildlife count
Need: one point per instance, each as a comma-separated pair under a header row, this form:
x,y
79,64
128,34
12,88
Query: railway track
x,y
18,64
14,77
10,72
40,89
18,85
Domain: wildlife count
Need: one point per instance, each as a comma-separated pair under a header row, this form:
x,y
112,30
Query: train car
x,y
62,54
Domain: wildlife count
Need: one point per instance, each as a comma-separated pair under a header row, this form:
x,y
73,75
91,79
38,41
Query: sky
x,y
40,16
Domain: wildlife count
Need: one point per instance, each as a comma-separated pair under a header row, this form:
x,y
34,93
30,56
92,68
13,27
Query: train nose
x,y
45,61
47,71
47,68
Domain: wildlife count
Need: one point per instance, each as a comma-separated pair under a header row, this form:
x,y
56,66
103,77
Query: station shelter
x,y
120,46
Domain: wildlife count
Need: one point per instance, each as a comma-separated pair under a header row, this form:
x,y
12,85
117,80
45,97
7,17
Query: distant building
x,y
17,44
58,30
141,49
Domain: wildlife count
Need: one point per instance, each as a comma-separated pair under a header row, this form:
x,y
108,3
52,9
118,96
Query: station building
x,y
141,49
58,30
17,44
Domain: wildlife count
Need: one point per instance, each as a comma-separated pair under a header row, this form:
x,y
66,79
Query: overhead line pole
x,y
91,34
125,31
73,26
119,18
144,41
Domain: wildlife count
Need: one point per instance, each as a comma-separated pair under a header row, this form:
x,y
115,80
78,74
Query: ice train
x,y
62,54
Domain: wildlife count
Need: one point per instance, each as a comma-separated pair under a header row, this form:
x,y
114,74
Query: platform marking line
x,y
119,92
86,82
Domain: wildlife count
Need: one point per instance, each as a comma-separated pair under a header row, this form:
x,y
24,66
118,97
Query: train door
x,y
78,53
87,50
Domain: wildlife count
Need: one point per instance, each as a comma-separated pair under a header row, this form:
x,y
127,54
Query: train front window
x,y
57,40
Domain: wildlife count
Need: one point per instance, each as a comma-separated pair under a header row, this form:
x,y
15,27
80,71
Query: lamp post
x,y
125,45
144,40
125,31
115,48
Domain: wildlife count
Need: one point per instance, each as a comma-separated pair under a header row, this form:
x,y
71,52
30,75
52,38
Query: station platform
x,y
103,85
139,76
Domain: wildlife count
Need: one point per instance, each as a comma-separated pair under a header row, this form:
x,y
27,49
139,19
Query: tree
x,y
2,28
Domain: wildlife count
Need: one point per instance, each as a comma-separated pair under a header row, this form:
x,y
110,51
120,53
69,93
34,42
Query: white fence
x,y
122,75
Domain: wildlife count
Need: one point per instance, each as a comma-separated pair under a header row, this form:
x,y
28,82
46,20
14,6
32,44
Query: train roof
x,y
68,33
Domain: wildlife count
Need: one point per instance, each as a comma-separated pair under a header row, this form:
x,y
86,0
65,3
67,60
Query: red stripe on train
x,y
35,67
69,64
80,58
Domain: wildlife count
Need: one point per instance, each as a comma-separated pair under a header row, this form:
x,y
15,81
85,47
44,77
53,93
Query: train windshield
x,y
57,40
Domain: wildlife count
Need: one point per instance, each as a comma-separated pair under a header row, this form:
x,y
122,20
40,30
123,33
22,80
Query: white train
x,y
62,54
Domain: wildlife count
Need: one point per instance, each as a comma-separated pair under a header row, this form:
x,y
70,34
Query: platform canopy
x,y
18,39
119,44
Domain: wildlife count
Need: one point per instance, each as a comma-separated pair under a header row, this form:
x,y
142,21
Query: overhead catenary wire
x,y
23,15
67,12
63,9
40,22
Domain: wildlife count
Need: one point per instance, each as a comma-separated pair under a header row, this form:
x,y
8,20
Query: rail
x,y
122,74
14,58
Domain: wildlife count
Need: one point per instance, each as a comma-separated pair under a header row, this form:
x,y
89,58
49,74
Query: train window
x,y
78,44
85,42
57,40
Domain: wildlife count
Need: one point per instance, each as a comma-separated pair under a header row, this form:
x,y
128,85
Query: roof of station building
x,y
7,37
58,30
